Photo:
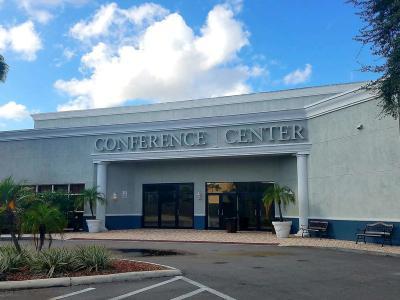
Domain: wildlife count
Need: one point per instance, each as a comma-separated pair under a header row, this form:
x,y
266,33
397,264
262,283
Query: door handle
x,y
222,212
255,212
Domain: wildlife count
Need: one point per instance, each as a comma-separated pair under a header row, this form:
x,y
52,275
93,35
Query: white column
x,y
302,189
101,188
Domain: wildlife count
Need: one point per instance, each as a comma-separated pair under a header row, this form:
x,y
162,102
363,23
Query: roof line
x,y
107,111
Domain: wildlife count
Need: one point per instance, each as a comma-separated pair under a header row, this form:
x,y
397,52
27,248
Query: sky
x,y
80,54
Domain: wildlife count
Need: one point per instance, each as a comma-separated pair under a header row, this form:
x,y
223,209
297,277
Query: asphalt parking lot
x,y
223,271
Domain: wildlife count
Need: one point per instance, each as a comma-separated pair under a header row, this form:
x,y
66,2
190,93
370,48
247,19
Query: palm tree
x,y
90,196
3,69
42,218
13,201
282,196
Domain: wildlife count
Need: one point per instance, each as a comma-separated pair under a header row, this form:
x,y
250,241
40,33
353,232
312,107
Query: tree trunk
x,y
280,212
42,235
15,241
91,208
35,241
50,240
11,221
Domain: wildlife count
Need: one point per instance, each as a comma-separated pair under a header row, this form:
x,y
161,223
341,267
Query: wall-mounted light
x,y
114,197
360,126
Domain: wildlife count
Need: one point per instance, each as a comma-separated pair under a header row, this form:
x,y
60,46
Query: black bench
x,y
319,227
376,230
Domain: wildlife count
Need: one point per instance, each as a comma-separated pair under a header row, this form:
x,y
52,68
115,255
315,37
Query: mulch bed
x,y
117,266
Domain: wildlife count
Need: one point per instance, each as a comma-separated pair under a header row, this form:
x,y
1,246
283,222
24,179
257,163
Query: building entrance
x,y
242,200
168,205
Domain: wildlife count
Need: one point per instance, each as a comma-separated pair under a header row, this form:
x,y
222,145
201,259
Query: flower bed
x,y
117,266
65,262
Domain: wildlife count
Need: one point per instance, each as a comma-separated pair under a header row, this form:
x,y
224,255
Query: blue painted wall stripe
x,y
123,222
199,222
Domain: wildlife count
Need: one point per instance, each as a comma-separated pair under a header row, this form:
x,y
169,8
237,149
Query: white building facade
x,y
192,164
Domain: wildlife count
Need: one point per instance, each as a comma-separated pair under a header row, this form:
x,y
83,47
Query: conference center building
x,y
195,163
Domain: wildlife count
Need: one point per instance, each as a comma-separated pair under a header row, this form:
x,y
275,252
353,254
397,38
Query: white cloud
x,y
98,25
13,111
164,61
3,38
148,12
42,10
223,30
112,18
298,76
22,39
68,53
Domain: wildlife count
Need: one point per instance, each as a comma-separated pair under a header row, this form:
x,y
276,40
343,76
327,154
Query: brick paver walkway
x,y
219,236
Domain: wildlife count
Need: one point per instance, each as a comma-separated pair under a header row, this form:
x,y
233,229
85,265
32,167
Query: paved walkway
x,y
219,236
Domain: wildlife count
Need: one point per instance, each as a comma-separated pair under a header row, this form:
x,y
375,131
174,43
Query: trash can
x,y
231,225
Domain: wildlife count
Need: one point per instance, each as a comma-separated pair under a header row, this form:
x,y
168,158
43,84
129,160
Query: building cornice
x,y
204,122
338,102
325,106
204,153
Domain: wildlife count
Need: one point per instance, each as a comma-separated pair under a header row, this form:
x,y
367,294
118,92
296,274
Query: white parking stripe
x,y
147,288
208,289
72,294
195,292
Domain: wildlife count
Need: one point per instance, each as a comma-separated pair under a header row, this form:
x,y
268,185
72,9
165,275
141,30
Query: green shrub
x,y
11,260
52,261
92,258
56,260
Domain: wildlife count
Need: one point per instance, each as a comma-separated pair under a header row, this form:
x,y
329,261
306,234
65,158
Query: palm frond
x,y
3,69
281,195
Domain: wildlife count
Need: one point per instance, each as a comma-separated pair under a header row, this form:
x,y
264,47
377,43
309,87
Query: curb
x,y
72,281
349,250
172,241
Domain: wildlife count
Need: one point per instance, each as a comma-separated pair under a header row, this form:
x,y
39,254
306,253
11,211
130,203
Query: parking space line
x,y
187,295
208,289
147,288
73,294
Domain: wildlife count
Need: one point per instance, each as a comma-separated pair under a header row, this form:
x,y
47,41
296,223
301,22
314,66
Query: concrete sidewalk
x,y
219,236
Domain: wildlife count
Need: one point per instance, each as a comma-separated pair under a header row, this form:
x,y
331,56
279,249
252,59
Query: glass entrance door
x,y
220,207
150,207
168,208
238,199
248,211
228,208
168,205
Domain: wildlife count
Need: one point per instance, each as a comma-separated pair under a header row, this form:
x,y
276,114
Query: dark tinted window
x,y
44,188
77,188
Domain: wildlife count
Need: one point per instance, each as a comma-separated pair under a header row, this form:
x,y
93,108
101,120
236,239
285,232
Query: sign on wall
x,y
260,134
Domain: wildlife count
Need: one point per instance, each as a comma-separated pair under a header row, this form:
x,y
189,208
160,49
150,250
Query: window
x,y
61,188
31,187
45,188
76,188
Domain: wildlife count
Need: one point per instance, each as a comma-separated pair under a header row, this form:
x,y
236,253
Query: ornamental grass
x,y
55,261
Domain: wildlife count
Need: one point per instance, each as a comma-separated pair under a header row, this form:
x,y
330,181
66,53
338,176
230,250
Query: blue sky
x,y
77,54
